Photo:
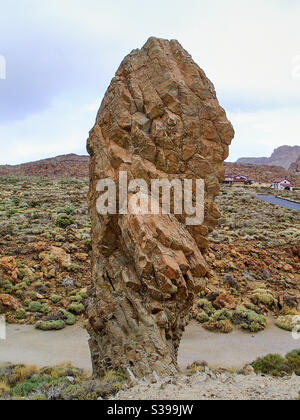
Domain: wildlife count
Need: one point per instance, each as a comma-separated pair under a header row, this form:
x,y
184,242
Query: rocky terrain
x,y
283,156
262,380
45,272
254,261
215,386
70,165
45,255
44,250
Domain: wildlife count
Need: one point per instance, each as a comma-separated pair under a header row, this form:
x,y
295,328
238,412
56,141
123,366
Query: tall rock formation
x,y
160,119
282,156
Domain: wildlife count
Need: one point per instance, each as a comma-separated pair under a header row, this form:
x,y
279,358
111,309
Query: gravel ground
x,y
212,386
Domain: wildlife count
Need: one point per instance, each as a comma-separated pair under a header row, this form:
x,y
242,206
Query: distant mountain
x,y
295,167
284,156
70,165
73,165
262,173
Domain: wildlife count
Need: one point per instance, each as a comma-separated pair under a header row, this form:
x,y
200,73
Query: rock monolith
x,y
160,119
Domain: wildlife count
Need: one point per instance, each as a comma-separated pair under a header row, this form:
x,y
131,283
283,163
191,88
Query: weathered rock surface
x,y
160,118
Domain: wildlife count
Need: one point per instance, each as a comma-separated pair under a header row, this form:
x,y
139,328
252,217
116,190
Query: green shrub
x,y
4,388
265,297
26,388
6,286
63,221
224,327
67,210
294,360
288,322
276,365
34,203
206,305
54,299
77,298
202,317
222,315
20,314
35,307
249,320
68,317
11,213
73,392
50,325
272,364
76,308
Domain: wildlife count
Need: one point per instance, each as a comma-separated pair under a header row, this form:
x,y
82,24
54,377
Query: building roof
x,y
281,181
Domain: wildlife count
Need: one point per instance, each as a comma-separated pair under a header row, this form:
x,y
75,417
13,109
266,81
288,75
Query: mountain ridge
x,y
283,156
73,165
295,167
70,165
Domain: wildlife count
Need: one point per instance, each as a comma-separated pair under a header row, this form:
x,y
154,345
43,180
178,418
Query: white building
x,y
282,184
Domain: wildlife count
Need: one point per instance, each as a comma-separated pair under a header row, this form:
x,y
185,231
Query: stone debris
x,y
217,386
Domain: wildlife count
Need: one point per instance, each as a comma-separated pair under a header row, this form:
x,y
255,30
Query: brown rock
x,y
248,370
8,302
288,300
224,300
9,265
160,119
61,257
288,267
82,257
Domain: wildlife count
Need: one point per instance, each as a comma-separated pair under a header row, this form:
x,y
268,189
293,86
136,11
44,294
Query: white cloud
x,y
258,133
249,49
61,129
246,47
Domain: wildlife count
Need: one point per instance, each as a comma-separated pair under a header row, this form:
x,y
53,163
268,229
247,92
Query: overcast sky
x,y
61,55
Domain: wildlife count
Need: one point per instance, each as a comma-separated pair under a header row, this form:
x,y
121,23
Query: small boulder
x,y
224,300
61,257
7,303
248,370
9,265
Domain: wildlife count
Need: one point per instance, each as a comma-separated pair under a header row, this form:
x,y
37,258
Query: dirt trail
x,y
233,350
26,345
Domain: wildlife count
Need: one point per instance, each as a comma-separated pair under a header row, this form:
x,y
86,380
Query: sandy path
x,y
233,350
26,345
